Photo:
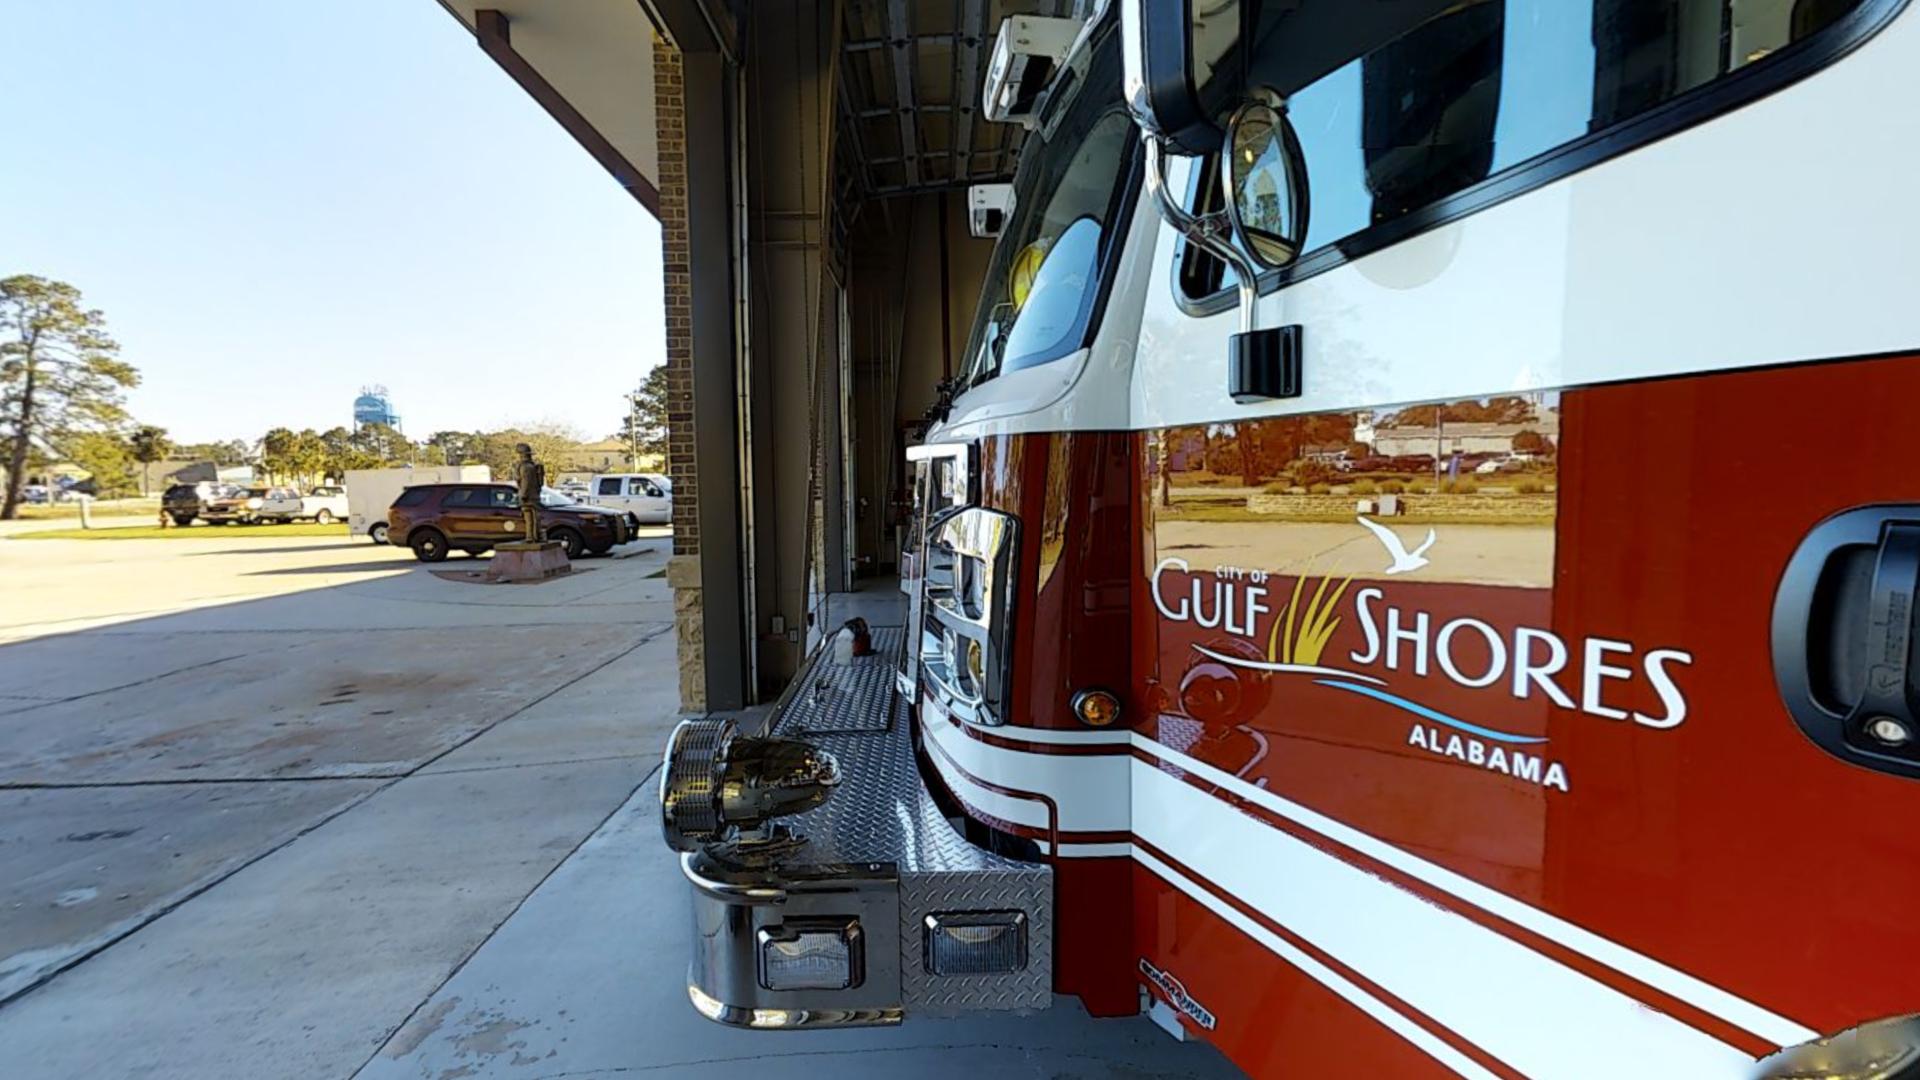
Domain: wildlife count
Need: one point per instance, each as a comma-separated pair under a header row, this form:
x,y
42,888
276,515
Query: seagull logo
x,y
1403,560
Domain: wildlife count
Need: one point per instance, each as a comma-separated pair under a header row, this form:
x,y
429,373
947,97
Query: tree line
x,y
62,383
1258,452
308,456
114,458
63,398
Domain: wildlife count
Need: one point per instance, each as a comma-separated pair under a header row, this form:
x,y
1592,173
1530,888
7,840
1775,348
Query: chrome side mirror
x,y
1265,178
1169,50
1266,209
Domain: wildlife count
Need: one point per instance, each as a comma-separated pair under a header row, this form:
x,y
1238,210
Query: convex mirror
x,y
1266,182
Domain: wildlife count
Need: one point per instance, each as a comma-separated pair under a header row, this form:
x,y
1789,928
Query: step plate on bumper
x,y
880,849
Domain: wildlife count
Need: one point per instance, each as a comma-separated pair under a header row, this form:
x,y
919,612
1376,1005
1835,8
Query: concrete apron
x,y
304,962
587,980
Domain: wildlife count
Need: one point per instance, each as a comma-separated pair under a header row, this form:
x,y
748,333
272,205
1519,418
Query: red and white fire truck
x,y
1419,575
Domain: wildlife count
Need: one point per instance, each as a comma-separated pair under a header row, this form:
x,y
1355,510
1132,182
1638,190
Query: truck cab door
x,y
608,491
647,501
1612,742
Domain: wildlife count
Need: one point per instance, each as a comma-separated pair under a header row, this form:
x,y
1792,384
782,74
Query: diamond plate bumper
x,y
879,851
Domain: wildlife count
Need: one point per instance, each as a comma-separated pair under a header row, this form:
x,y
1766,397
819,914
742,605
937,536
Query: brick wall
x,y
683,570
670,121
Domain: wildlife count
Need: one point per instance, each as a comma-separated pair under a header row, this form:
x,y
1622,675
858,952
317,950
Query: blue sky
x,y
276,203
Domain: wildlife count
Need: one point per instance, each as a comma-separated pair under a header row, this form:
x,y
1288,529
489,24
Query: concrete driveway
x,y
259,796
300,808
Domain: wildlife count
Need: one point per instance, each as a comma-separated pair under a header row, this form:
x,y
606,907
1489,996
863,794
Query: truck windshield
x,y
1046,272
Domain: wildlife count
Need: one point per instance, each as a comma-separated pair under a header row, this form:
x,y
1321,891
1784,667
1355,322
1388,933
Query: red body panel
x,y
1724,845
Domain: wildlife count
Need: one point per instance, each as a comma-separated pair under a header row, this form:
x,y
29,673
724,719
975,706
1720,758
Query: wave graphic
x,y
1434,715
1270,665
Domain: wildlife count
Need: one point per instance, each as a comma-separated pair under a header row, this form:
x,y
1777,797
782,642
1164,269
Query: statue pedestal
x,y
521,561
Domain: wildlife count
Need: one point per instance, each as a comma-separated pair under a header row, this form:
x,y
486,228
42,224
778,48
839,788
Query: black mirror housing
x,y
1156,47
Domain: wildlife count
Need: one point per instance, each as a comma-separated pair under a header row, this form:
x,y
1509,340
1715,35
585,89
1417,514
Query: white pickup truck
x,y
323,505
648,495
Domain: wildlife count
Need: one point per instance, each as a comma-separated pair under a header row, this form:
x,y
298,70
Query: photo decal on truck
x,y
1315,576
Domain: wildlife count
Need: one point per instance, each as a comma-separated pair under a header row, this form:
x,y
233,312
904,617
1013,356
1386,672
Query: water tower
x,y
372,407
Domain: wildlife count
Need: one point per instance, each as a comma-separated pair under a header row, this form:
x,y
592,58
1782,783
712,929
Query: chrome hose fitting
x,y
718,787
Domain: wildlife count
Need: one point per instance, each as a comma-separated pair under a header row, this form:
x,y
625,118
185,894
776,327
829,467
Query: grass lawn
x,y
71,512
191,532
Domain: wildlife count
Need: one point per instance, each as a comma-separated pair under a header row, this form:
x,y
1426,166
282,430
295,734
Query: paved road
x,y
298,808
273,791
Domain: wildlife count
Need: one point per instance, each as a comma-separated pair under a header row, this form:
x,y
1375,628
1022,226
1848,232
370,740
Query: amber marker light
x,y
1096,708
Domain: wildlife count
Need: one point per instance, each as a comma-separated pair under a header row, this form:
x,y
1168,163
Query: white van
x,y
648,495
371,491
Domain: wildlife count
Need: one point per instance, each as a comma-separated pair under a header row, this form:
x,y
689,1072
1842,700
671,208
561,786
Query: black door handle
x,y
1844,634
1884,714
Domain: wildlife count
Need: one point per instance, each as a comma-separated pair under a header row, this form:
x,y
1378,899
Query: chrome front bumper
x,y
879,852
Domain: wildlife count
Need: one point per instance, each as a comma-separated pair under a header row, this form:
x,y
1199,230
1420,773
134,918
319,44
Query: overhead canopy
x,y
910,98
590,64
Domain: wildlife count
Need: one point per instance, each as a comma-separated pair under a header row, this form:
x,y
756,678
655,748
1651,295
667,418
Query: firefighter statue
x,y
531,476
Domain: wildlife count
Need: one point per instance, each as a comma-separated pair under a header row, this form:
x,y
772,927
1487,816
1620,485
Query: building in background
x,y
605,456
374,407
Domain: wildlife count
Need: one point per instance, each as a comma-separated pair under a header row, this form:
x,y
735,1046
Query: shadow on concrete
x,y
341,568
337,544
187,746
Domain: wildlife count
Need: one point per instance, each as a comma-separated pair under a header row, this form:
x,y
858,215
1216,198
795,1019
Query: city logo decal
x,y
1523,663
1177,995
1403,560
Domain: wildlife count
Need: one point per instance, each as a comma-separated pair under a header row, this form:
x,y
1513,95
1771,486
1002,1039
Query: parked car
x,y
322,505
64,491
184,502
1337,460
434,519
241,505
648,495
371,491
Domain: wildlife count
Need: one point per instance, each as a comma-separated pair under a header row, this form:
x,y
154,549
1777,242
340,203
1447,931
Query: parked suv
x,y
184,502
434,519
